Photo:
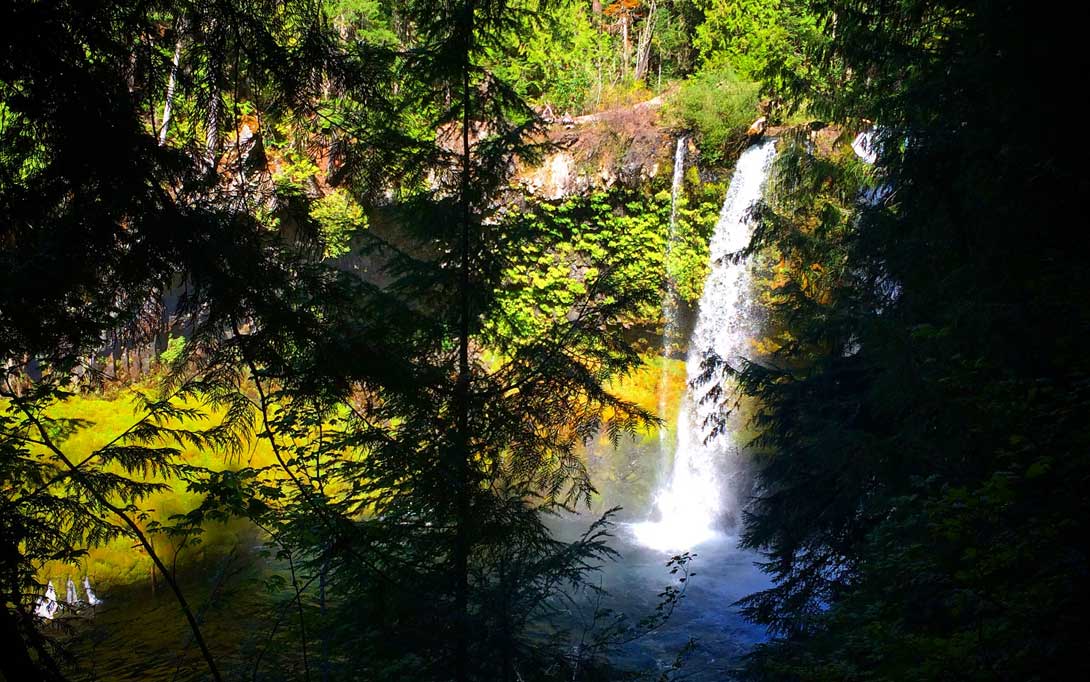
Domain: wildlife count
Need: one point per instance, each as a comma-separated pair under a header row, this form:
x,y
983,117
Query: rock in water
x,y
46,606
758,127
863,146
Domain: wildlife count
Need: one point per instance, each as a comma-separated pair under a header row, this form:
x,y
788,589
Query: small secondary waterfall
x,y
669,299
695,496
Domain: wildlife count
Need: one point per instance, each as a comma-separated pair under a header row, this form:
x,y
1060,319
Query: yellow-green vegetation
x,y
750,35
339,217
628,473
718,105
617,236
580,244
331,217
657,377
687,264
122,562
109,415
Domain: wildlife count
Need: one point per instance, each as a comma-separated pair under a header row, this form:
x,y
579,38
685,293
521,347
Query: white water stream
x,y
689,506
669,297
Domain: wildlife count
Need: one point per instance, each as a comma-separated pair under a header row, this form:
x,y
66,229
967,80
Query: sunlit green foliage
x,y
558,60
174,351
609,244
748,36
339,218
687,256
368,21
589,244
718,106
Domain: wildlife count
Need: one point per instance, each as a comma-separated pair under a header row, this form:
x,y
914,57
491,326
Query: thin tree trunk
x,y
162,332
626,50
168,106
325,626
211,136
212,122
154,579
507,654
302,621
461,449
643,47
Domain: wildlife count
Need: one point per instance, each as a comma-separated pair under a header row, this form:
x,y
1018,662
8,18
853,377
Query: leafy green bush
x,y
339,217
763,40
175,348
558,59
687,258
718,106
608,245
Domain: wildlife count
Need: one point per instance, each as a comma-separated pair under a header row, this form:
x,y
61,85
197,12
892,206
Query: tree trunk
x,y
626,46
212,122
643,48
154,578
461,396
168,106
211,136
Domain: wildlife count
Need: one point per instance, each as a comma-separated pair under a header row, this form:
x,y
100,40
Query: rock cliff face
x,y
628,146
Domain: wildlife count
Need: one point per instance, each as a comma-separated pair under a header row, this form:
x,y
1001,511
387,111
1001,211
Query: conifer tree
x,y
101,213
921,486
419,446
420,437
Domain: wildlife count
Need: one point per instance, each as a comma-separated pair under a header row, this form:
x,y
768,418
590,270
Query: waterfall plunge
x,y
694,498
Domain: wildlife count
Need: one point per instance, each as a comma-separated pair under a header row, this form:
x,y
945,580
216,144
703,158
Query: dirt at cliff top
x,y
630,145
635,130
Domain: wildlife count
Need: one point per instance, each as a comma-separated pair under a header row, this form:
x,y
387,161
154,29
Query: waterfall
x,y
695,497
669,298
675,187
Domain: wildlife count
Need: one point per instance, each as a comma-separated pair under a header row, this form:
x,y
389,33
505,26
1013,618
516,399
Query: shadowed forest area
x,y
535,340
